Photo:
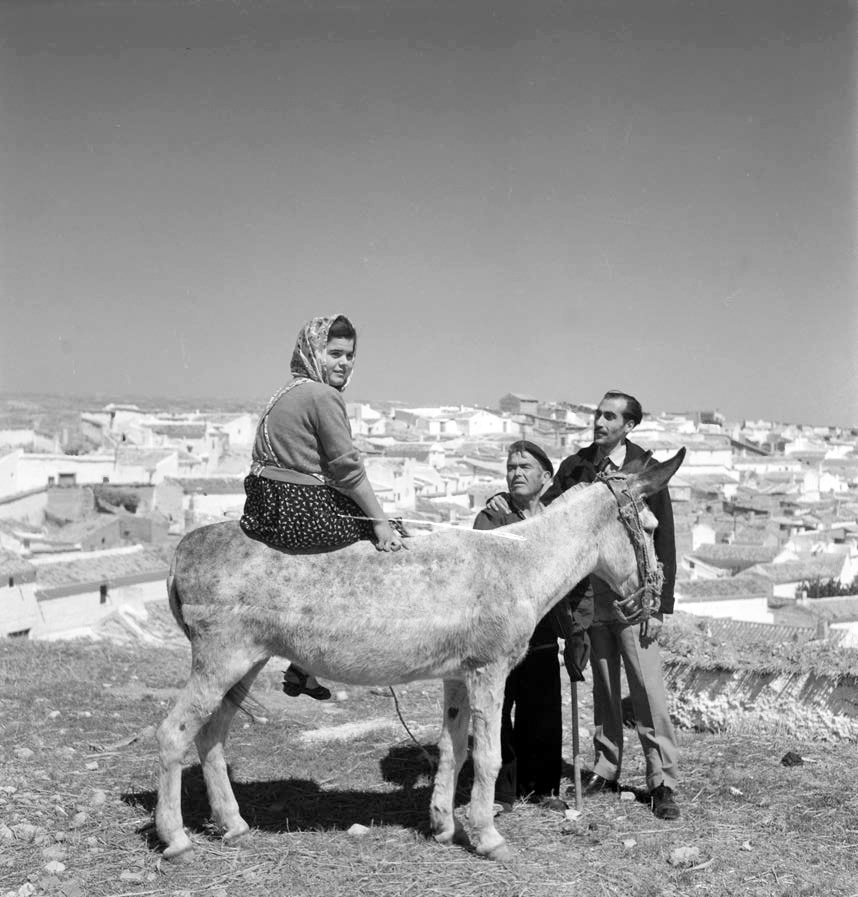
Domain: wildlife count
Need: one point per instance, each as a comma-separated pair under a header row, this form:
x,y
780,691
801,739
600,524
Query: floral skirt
x,y
295,516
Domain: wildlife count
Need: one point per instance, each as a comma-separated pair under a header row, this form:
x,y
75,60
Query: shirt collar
x,y
618,456
515,510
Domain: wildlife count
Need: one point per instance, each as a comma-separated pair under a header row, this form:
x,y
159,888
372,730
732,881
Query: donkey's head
x,y
627,559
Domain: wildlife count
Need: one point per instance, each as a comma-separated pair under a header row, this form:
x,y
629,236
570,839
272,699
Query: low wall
x,y
806,704
77,614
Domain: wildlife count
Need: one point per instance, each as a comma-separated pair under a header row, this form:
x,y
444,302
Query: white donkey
x,y
458,606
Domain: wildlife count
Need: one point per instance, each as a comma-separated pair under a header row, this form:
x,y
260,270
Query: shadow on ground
x,y
282,805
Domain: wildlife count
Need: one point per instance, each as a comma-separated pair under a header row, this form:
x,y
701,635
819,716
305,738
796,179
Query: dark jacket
x,y
580,468
487,519
569,619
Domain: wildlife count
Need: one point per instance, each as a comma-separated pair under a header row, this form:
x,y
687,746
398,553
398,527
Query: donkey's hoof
x,y
180,849
232,837
457,836
500,853
445,839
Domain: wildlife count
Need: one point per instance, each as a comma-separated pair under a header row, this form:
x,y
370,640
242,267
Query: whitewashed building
x,y
72,592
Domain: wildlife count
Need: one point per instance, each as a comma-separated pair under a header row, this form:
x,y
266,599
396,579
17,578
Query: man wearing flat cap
x,y
531,746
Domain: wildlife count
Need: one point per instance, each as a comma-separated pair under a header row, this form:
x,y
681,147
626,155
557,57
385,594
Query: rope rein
x,y
419,522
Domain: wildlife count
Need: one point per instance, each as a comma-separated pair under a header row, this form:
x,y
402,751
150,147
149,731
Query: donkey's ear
x,y
656,476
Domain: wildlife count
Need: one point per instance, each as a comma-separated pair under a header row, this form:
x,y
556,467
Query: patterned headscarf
x,y
308,357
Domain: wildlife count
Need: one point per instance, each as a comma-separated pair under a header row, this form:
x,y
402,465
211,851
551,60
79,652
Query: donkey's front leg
x,y
486,688
452,749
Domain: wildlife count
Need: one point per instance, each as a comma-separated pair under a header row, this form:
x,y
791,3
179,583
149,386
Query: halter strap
x,y
646,600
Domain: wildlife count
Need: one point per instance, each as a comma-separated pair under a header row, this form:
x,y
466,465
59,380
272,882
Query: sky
x,y
550,198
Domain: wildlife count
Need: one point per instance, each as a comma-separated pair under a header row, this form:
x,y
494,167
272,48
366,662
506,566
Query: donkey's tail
x,y
239,694
176,599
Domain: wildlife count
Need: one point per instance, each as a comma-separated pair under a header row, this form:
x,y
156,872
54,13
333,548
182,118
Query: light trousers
x,y
611,642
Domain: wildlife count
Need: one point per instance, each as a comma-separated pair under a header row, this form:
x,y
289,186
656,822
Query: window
x,y
102,593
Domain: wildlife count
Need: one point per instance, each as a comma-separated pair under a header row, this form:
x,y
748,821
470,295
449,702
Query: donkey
x,y
459,605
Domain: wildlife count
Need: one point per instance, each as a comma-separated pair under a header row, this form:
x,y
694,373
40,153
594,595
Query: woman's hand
x,y
386,537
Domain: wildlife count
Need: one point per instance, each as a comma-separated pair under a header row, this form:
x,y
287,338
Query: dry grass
x,y
759,828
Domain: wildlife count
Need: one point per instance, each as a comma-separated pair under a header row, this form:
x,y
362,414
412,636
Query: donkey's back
x,y
355,615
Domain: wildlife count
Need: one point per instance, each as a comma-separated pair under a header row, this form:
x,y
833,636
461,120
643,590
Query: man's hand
x,y
650,629
498,504
576,655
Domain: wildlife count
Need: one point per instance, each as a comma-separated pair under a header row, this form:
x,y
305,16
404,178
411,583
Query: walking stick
x,y
576,747
572,633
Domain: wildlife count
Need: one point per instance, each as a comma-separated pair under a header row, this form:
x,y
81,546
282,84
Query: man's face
x,y
525,476
609,425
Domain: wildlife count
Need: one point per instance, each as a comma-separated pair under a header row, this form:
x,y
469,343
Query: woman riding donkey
x,y
307,488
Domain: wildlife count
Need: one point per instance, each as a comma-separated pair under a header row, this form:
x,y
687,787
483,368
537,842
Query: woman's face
x,y
338,361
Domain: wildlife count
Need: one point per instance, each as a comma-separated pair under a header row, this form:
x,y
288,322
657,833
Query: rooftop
x,y
703,482
179,430
72,533
132,455
720,589
12,564
736,554
210,485
843,609
98,566
822,566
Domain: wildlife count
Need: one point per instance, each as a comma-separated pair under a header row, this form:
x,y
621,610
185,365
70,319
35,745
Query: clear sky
x,y
551,198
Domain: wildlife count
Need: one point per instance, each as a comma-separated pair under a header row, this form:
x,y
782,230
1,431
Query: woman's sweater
x,y
309,431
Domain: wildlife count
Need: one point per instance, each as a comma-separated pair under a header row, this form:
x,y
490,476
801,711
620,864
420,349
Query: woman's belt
x,y
287,475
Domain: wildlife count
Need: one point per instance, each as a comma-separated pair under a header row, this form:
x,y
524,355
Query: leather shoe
x,y
663,804
591,784
295,683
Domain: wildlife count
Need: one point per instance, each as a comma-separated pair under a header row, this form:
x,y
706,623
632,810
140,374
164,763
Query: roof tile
x,y
100,566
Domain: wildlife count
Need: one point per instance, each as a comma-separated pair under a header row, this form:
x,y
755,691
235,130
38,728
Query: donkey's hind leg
x,y
175,735
210,742
198,700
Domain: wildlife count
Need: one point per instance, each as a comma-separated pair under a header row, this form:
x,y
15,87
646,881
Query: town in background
x,y
95,495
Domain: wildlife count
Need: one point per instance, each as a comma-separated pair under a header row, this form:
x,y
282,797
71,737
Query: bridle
x,y
646,600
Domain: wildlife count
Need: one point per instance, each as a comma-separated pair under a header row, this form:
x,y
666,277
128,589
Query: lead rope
x,y
433,764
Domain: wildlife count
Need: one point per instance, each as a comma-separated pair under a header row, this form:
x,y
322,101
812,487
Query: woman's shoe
x,y
295,684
